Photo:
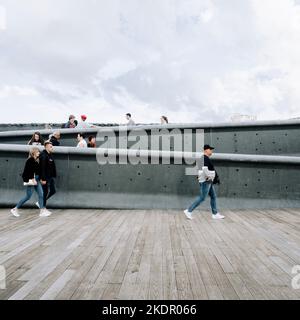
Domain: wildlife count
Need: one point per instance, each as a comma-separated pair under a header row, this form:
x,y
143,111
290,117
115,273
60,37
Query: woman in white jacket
x,y
206,178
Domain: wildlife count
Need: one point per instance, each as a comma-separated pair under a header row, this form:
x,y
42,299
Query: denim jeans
x,y
29,191
206,188
49,190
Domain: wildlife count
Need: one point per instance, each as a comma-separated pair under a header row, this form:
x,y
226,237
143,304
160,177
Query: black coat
x,y
32,168
54,142
48,167
208,163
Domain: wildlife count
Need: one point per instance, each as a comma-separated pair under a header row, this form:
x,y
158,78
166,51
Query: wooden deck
x,y
109,254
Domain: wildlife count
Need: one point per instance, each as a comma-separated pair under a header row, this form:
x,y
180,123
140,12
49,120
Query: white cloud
x,y
115,68
191,60
12,91
2,18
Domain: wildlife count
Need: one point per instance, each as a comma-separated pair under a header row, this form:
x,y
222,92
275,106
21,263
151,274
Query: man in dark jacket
x,y
48,171
55,139
208,163
207,178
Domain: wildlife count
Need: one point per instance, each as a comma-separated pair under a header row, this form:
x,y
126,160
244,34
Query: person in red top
x,y
83,124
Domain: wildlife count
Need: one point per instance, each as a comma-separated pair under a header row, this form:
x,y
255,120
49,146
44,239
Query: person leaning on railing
x,y
72,123
36,140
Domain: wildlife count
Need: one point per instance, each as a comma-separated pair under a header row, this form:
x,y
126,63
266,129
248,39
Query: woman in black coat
x,y
31,180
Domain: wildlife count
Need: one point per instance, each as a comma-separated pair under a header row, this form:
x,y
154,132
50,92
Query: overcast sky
x,y
191,60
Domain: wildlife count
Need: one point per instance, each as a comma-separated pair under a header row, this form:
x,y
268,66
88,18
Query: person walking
x,y
48,172
164,120
36,140
81,141
31,178
72,123
83,124
92,142
54,139
207,178
129,119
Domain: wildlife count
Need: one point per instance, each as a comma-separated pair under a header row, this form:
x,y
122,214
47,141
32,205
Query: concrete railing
x,y
160,154
246,180
260,137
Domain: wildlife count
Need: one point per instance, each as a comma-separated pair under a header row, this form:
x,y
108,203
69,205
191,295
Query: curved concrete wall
x,y
247,181
4,127
261,137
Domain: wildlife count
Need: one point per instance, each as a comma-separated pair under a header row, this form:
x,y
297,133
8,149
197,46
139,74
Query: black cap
x,y
207,146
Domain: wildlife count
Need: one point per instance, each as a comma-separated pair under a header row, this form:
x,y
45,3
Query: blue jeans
x,y
206,188
29,191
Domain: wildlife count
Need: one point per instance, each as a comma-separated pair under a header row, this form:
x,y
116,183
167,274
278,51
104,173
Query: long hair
x,y
90,144
32,140
32,153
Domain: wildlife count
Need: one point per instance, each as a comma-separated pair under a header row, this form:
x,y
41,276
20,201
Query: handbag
x,y
31,182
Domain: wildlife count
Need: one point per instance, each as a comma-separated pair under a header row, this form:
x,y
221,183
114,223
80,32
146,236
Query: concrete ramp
x,y
260,137
247,181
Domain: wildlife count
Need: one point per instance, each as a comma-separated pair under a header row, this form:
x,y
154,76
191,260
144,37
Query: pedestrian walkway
x,y
150,254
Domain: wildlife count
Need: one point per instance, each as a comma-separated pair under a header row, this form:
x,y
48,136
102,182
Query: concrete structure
x,y
156,254
38,126
260,137
257,163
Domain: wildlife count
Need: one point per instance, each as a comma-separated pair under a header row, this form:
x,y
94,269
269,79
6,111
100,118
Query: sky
x,y
190,60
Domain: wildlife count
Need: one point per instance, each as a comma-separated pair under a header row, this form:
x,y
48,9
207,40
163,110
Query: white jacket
x,y
206,175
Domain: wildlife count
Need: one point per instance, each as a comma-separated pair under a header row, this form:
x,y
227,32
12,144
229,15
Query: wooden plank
x,y
168,270
183,285
80,254
142,254
86,286
155,284
58,285
130,284
143,274
194,276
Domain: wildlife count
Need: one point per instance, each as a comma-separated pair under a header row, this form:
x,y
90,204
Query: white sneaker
x,y
188,214
37,204
217,216
45,213
15,212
